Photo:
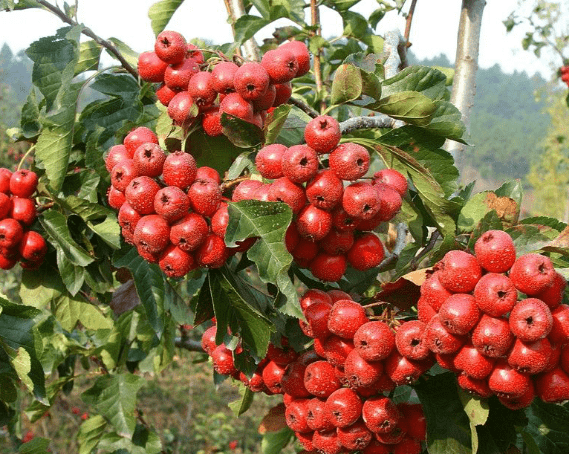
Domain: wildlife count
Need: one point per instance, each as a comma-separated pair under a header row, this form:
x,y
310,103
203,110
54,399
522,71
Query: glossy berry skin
x,y
469,360
251,81
280,64
336,349
530,320
137,137
492,336
439,339
149,159
284,190
507,382
317,417
5,176
245,189
317,316
366,252
208,173
140,194
115,155
292,381
320,379
301,53
495,251
380,414
122,174
360,201
115,198
205,197
174,262
349,161
530,357
24,210
171,203
434,292
495,294
327,442
459,313
211,121
552,386
390,201
374,341
329,268
234,104
208,340
354,437
414,415
459,271
313,223
23,183
152,234
179,169
516,403
212,252
201,89
553,295
322,134
282,93
165,94
404,371
343,407
473,386
559,333
337,243
150,67
409,340
219,220
325,190
223,361
268,161
32,247
392,178
314,295
266,101
177,77
361,373
223,77
532,273
128,217
189,232
170,47
300,163
179,108
305,252
345,318
296,415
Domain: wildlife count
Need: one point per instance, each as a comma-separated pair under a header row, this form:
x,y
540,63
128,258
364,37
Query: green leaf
x,y
72,276
268,222
548,425
116,85
90,432
293,130
129,54
161,12
246,26
447,424
544,220
531,238
410,106
355,25
241,133
340,5
274,442
274,123
114,397
473,212
490,221
55,225
240,406
446,122
346,85
36,445
39,289
71,310
30,120
275,9
512,189
477,410
423,79
11,5
89,55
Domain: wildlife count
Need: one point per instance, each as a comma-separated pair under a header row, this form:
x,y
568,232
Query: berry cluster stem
x,y
316,24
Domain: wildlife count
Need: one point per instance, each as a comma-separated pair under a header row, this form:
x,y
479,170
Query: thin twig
x,y
316,24
409,18
189,344
431,244
88,32
377,121
402,230
304,107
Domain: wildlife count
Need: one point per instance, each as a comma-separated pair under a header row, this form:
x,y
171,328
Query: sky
x,y
434,28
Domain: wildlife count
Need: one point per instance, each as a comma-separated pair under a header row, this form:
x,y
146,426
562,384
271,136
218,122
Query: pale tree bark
x,y
466,58
236,10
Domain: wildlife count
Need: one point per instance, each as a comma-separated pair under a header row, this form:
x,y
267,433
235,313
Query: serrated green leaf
x,y
72,276
247,25
69,311
127,52
89,55
531,238
547,221
114,397
472,213
274,442
477,410
30,119
117,85
548,425
55,225
512,189
346,85
446,122
90,432
423,79
161,12
241,133
410,106
274,123
37,445
268,222
241,405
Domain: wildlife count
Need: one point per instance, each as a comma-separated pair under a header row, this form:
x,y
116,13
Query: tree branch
x,y
316,23
377,121
88,32
399,246
304,107
409,18
395,47
466,57
189,344
236,10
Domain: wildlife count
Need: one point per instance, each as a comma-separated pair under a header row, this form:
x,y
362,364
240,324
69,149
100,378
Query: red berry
x,y
175,262
380,414
234,104
223,77
170,47
177,76
392,178
354,437
329,268
343,407
179,170
268,161
469,360
284,190
24,209
137,137
349,161
152,234
205,196
505,381
459,314
459,271
366,252
171,203
122,174
300,163
32,247
325,190
322,134
201,89
495,251
439,339
530,357
410,340
149,159
345,318
492,336
317,418
150,67
180,108
212,252
140,194
23,183
552,386
251,81
374,341
360,373
313,223
532,273
280,64
495,294
530,320
115,155
320,379
301,53
559,333
360,200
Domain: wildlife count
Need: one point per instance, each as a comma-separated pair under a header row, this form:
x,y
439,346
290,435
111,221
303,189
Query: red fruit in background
x,y
530,357
337,243
495,294
336,349
380,414
233,444
140,194
325,190
282,93
299,163
459,271
28,437
320,379
208,173
553,295
176,77
374,340
152,234
366,252
5,176
251,81
115,155
170,47
327,442
201,89
165,94
32,247
360,200
469,360
393,179
317,315
280,64
559,333
343,407
211,121
507,382
345,318
284,190
149,159
209,339
360,373
171,203
459,313
301,53
24,210
137,137
268,161
492,336
532,273
223,77
272,374
354,437
322,134
390,201
128,217
433,292
317,418
11,233
150,67
179,108
292,381
23,183
179,169
495,251
212,252
349,161
329,268
205,196
223,360
313,223
234,104
439,339
530,320
471,385
552,386
409,340
174,262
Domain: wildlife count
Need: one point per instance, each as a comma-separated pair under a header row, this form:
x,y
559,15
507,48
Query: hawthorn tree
x,y
102,306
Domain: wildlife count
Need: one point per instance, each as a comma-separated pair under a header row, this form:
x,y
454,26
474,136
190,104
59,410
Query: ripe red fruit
x,y
280,64
439,339
317,315
360,373
180,108
345,318
507,382
115,198
219,220
414,415
354,437
313,223
393,179
559,333
23,183
140,194
223,360
152,234
530,357
209,339
179,169
408,446
495,251
128,217
165,94
374,341
115,155
305,251
150,67
211,121
366,252
212,252
264,103
5,176
495,294
530,320
296,415
532,273
314,295
137,137
552,386
299,163
459,271
516,403
492,336
320,379
24,210
292,381
360,200
122,174
189,232
282,93
171,203
425,311
327,442
268,161
337,243
201,89
177,77
473,386
433,292
336,349
404,371
317,417
409,340
284,190
223,77
245,189
349,161
175,262
208,173
322,134
459,313
7,263
553,294
390,202
329,268
343,407
32,247
342,221
380,414
170,47
234,104
325,190
205,196
301,53
251,81
469,360
11,233
272,374
149,159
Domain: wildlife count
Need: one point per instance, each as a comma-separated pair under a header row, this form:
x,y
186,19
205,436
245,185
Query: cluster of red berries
x,y
247,91
497,321
332,223
564,74
334,392
17,213
170,209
